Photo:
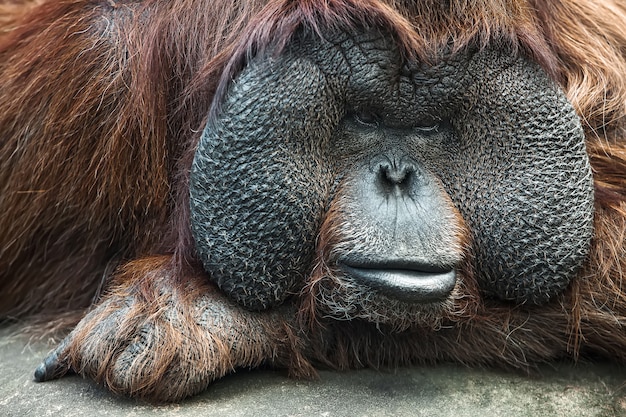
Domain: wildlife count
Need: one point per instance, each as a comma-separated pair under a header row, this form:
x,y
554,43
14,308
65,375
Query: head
x,y
387,185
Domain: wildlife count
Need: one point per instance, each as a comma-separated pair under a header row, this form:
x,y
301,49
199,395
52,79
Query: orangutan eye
x,y
428,128
367,118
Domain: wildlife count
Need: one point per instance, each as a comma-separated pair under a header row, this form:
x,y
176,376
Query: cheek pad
x,y
256,186
524,184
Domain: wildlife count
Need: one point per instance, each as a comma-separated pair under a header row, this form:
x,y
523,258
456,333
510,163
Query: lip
x,y
405,281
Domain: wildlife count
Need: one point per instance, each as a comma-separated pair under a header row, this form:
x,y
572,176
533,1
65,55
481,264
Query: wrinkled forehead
x,y
368,69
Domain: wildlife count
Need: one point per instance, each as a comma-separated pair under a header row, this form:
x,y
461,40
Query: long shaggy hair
x,y
143,76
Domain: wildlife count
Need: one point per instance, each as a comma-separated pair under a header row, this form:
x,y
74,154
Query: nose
x,y
395,174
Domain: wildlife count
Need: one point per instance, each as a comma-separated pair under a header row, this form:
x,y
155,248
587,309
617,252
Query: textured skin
x,y
268,164
258,235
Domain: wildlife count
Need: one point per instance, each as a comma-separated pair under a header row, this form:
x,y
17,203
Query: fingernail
x,y
40,373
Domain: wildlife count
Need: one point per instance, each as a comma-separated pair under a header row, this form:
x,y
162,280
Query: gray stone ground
x,y
562,390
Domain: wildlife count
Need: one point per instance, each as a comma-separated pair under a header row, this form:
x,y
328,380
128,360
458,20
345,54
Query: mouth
x,y
405,281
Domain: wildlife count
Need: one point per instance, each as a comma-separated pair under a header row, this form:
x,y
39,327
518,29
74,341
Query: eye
x,y
428,128
367,118
431,126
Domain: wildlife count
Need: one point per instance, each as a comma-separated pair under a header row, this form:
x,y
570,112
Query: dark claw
x,y
52,367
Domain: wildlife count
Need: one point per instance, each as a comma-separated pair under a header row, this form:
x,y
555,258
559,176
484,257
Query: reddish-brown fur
x,y
101,104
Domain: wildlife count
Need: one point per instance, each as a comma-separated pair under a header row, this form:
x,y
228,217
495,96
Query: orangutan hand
x,y
164,346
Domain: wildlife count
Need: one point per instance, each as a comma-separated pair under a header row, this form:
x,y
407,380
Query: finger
x,y
55,365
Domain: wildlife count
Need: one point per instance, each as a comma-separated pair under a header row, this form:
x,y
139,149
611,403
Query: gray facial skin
x,y
478,157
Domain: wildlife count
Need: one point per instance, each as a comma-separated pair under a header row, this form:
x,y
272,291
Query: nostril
x,y
397,174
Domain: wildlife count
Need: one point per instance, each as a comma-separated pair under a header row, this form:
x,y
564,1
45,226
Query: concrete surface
x,y
447,390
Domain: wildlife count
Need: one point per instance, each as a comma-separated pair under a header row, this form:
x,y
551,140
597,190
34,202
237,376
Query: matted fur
x,y
102,103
